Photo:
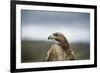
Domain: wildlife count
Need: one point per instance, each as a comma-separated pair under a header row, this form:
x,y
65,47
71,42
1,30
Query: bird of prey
x,y
60,50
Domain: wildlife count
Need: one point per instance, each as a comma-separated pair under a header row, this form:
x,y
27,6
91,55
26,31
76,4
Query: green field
x,y
35,51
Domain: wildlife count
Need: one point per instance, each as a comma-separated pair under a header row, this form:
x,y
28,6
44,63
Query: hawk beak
x,y
50,37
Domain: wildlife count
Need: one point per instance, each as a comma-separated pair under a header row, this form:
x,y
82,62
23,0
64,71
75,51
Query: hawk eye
x,y
56,34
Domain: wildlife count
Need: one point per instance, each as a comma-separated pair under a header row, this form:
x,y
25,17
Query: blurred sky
x,y
38,25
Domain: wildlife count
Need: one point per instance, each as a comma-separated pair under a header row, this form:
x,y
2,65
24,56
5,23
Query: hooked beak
x,y
50,37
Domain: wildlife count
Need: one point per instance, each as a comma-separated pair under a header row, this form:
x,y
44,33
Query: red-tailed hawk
x,y
60,50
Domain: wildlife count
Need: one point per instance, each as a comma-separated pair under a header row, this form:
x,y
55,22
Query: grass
x,y
35,51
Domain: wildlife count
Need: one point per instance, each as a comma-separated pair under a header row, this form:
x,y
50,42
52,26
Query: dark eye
x,y
55,34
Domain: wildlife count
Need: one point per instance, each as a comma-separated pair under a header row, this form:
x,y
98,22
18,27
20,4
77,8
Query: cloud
x,y
42,33
37,25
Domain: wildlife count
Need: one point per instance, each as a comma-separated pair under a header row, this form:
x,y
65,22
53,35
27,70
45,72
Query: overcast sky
x,y
38,25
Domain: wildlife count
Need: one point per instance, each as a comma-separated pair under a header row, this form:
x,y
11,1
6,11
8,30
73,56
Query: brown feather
x,y
60,51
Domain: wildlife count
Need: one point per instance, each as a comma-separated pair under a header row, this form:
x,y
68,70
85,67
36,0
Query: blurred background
x,y
38,25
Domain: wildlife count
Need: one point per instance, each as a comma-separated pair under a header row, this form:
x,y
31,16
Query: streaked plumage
x,y
60,50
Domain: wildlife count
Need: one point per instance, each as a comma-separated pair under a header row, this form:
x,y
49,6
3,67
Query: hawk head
x,y
60,39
